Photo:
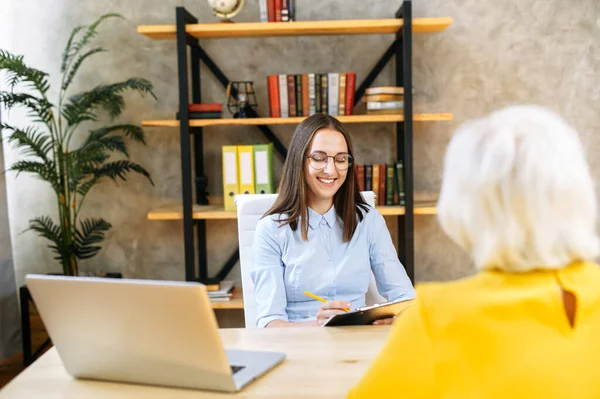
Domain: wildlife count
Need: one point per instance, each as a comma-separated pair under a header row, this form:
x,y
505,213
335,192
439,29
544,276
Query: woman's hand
x,y
331,308
384,322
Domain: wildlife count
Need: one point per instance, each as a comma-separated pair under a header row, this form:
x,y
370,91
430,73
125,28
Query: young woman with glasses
x,y
320,236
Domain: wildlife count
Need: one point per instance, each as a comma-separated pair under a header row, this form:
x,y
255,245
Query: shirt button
x,y
323,221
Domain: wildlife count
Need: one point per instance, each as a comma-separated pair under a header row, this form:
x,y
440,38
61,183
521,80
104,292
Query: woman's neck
x,y
321,206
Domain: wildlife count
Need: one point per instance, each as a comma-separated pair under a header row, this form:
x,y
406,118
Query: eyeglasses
x,y
319,160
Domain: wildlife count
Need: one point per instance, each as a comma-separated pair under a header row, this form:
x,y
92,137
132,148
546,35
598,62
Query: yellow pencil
x,y
318,298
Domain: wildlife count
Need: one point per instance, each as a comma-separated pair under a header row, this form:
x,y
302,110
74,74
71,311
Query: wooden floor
x,y
9,368
12,366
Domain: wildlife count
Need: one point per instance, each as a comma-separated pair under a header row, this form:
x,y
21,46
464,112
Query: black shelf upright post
x,y
182,17
404,137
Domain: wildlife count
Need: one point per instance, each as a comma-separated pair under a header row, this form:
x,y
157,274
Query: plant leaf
x,y
90,232
134,132
81,107
46,228
72,48
119,170
18,72
45,170
77,64
30,141
39,107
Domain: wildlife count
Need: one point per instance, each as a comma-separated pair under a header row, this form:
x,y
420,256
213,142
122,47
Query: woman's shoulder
x,y
369,214
271,223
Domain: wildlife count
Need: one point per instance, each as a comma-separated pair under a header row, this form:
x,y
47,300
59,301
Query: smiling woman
x,y
320,236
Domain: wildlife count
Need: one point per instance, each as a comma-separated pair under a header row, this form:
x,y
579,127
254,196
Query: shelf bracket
x,y
265,130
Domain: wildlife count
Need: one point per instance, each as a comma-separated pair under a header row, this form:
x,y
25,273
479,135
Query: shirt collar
x,y
315,218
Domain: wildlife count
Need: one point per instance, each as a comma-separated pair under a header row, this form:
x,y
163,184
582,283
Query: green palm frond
x,y
99,139
134,132
17,72
45,170
77,65
81,107
68,52
72,48
40,108
30,140
84,188
119,170
46,228
90,232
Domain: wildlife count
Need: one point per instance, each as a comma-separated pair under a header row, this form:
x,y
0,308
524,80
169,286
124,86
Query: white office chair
x,y
250,208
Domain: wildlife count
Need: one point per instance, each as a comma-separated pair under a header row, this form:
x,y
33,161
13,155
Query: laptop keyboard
x,y
235,369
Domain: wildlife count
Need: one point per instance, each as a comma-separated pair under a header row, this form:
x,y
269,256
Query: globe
x,y
225,8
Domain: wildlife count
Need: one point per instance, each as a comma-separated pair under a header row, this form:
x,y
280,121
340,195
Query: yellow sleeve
x,y
404,367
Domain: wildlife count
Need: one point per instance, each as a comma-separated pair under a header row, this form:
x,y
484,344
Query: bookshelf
x,y
196,208
300,28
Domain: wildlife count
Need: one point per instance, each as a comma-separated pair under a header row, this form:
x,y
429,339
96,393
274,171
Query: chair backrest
x,y
250,208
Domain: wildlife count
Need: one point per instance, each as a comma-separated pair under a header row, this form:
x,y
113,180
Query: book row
x,y
385,180
311,93
277,10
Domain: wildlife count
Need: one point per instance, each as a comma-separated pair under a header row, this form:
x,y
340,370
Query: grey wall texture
x,y
495,54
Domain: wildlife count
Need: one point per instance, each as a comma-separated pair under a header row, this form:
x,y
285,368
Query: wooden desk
x,y
320,363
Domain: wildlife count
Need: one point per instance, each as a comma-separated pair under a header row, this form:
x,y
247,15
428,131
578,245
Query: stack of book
x,y
277,10
247,169
204,111
385,180
384,100
221,292
311,93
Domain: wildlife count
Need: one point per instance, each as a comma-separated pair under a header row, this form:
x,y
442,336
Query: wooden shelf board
x,y
237,302
296,120
300,28
175,212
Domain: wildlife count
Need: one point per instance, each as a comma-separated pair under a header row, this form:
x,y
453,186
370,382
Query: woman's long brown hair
x,y
293,191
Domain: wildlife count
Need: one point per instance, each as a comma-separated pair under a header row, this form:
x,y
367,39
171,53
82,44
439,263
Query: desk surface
x,y
320,363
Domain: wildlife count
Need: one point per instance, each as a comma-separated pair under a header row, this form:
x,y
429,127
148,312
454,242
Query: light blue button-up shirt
x,y
284,266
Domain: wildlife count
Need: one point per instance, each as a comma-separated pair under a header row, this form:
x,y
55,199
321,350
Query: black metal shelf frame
x,y
401,49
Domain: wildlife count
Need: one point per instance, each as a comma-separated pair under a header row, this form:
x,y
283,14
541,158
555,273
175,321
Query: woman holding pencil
x,y
320,237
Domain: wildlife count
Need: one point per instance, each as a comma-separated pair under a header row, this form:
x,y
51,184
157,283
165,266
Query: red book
x,y
291,86
360,175
350,87
277,10
305,94
273,86
205,108
271,10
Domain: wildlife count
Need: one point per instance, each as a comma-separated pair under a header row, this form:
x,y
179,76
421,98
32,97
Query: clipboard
x,y
368,314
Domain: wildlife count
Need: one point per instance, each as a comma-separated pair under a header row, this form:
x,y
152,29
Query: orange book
x,y
273,86
342,95
305,94
375,184
382,179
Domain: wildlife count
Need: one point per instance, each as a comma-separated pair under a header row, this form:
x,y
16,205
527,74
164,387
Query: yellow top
x,y
494,335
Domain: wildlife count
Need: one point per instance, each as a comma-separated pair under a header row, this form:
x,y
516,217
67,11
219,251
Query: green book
x,y
264,182
400,182
299,108
203,115
389,185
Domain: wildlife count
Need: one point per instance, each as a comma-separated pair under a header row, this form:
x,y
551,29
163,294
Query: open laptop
x,y
142,331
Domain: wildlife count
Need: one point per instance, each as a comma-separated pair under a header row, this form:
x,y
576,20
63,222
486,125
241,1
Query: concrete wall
x,y
494,54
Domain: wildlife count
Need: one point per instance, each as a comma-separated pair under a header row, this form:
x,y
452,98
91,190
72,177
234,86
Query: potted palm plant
x,y
48,148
